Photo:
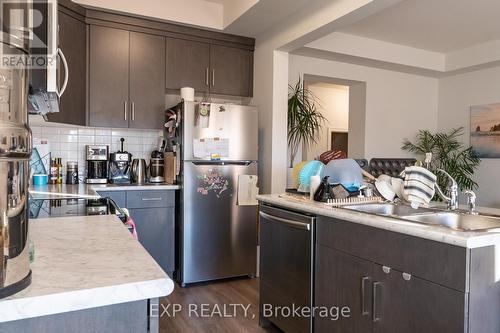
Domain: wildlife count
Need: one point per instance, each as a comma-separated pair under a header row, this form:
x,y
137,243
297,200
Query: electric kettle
x,y
139,171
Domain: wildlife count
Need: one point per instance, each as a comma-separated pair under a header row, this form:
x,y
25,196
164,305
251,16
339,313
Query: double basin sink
x,y
451,219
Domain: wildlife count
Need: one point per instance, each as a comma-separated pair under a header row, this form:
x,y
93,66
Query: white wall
x,y
271,75
456,95
235,8
333,103
357,46
68,142
397,104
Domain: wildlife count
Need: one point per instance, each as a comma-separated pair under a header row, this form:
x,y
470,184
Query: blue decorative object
x,y
346,172
40,179
312,168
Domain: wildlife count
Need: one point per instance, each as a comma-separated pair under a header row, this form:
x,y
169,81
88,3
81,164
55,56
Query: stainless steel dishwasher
x,y
286,268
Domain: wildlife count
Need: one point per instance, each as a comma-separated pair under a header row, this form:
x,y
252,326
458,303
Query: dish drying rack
x,y
334,202
353,201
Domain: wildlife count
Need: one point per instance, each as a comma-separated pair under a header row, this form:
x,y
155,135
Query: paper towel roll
x,y
187,94
315,182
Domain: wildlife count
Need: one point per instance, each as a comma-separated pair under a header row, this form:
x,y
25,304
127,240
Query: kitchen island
x,y
89,275
392,274
151,206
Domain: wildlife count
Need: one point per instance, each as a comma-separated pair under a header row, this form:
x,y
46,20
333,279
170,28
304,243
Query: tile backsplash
x,y
69,142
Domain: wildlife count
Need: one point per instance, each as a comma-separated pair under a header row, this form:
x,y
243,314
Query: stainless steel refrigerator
x,y
217,230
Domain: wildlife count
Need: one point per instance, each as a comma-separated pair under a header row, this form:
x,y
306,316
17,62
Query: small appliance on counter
x,y
72,173
156,170
119,166
139,171
97,164
157,167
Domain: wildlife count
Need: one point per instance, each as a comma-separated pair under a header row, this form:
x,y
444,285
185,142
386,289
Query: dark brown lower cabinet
x,y
349,272
410,304
343,280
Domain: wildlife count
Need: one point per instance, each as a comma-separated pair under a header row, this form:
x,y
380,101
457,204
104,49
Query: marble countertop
x,y
90,190
468,239
82,263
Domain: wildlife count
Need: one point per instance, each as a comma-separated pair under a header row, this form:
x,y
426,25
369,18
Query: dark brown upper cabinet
x,y
209,68
127,78
231,71
72,41
109,77
188,64
147,80
121,66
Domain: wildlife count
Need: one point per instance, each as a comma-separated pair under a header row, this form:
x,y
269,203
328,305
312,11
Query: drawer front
x,y
150,199
117,196
434,261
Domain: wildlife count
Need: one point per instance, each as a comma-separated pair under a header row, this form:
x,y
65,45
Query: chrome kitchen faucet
x,y
452,199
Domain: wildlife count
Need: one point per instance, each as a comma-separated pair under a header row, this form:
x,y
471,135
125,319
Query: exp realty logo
x,y
29,33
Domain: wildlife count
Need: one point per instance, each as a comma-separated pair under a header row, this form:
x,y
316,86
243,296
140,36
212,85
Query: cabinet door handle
x,y
207,77
66,72
151,199
133,111
376,297
125,110
213,77
364,279
291,223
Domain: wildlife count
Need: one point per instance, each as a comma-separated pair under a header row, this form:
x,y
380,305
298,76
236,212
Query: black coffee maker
x,y
97,164
119,166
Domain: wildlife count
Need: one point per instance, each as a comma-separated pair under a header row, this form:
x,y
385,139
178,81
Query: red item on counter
x,y
330,155
131,224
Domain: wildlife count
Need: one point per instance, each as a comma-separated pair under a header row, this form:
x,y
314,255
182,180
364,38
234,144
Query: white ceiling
x,y
264,15
434,25
191,12
242,17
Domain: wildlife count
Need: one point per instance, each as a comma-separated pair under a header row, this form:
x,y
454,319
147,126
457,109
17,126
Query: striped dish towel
x,y
419,185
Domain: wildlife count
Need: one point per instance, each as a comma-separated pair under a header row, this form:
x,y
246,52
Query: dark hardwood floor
x,y
207,301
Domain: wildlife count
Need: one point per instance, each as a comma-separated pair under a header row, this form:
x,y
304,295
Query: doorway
x,y
332,101
343,103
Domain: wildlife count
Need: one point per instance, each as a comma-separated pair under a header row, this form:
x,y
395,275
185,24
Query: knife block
x,y
170,171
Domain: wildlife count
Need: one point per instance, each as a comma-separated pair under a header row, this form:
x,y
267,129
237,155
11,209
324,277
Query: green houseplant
x,y
304,120
448,153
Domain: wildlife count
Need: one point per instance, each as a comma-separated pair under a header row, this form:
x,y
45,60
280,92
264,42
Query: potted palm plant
x,y
304,120
448,153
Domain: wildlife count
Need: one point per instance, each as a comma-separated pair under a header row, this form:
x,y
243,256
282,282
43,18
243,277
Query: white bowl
x,y
385,190
384,178
397,185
